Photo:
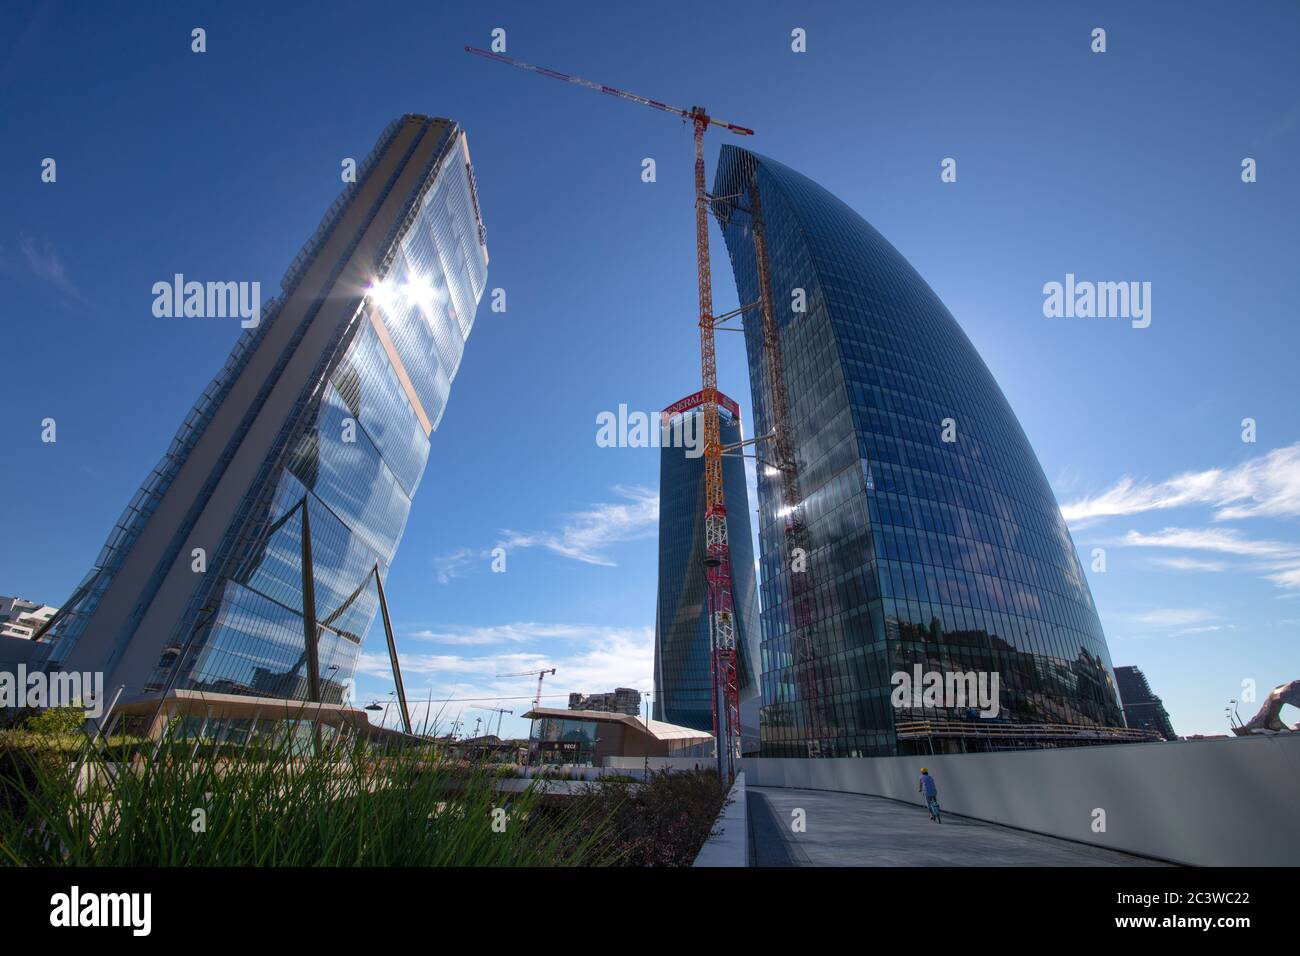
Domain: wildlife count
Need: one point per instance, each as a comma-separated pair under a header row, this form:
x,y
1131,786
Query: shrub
x,y
56,720
663,822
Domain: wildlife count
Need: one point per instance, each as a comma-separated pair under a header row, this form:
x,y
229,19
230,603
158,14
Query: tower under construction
x,y
683,650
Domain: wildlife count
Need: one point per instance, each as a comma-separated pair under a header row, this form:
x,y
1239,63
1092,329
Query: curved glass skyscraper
x,y
927,555
683,663
323,411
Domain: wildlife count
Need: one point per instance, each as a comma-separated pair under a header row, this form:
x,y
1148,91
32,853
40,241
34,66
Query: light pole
x,y
1233,712
645,771
383,721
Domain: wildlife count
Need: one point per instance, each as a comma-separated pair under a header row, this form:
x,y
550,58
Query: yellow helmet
x,y
923,770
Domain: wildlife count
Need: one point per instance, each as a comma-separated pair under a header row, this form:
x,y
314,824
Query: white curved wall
x,y
1209,802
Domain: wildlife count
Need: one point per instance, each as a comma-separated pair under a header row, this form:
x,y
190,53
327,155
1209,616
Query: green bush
x,y
663,822
56,720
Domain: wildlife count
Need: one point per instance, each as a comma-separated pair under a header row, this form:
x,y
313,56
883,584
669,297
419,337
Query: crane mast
x,y
796,529
501,715
540,675
717,562
722,627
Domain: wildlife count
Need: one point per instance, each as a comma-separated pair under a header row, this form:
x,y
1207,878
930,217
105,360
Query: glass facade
x,y
683,667
81,609
951,555
351,449
357,460
1142,708
554,740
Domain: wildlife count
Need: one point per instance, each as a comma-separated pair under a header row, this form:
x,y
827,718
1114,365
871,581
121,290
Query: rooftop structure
x,y
588,737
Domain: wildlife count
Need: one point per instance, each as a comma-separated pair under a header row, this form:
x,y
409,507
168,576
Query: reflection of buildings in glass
x,y
564,741
683,666
1142,708
330,399
948,554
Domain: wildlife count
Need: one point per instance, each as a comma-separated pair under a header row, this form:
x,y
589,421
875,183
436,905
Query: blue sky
x,y
1116,166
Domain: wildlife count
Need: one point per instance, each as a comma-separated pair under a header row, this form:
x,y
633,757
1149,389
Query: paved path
x,y
852,829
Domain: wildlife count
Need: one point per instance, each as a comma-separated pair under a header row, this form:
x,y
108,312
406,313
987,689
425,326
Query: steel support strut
x,y
309,630
392,653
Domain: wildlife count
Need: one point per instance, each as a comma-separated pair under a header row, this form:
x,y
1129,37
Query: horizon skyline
x,y
1174,496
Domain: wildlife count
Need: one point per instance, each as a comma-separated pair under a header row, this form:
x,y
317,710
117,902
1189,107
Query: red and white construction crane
x,y
722,625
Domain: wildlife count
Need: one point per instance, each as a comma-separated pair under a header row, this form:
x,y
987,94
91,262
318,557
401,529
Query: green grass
x,y
271,801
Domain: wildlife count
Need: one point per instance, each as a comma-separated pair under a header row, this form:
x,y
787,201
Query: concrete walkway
x,y
852,829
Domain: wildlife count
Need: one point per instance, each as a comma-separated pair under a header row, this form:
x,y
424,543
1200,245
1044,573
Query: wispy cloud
x,y
587,658
1163,622
521,633
1183,563
47,265
1172,617
1279,559
1266,486
584,536
1208,628
454,563
1222,540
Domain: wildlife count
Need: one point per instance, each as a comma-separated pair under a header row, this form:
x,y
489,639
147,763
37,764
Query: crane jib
x,y
723,659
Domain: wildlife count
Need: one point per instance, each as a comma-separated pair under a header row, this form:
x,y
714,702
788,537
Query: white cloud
x,y
377,665
453,564
46,264
520,632
1171,622
1286,577
1279,559
586,535
1173,617
1223,540
587,659
1189,564
1207,628
1267,486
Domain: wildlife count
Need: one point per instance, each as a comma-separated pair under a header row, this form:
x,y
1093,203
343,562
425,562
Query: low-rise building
x,y
589,737
22,618
1143,710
